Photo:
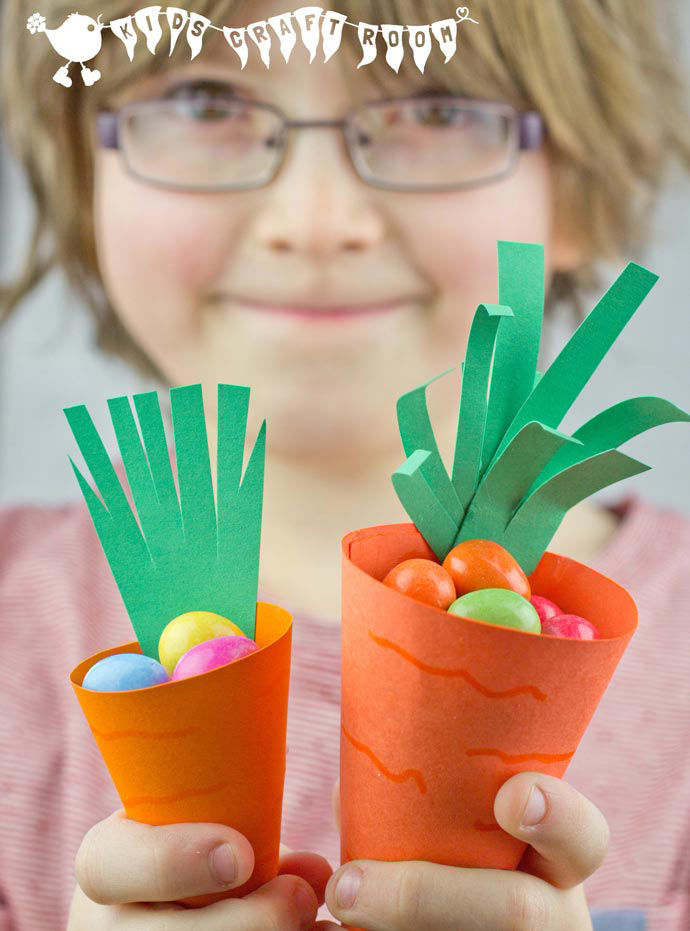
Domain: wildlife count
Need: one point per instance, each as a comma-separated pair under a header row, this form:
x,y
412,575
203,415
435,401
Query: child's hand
x,y
567,844
130,875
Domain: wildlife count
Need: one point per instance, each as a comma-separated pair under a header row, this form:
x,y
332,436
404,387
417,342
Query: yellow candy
x,y
188,630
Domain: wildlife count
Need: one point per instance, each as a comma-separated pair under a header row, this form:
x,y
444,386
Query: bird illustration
x,y
78,39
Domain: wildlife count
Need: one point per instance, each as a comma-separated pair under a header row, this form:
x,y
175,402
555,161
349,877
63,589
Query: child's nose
x,y
317,204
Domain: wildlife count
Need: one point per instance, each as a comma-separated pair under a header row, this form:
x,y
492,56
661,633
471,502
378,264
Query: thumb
x,y
567,834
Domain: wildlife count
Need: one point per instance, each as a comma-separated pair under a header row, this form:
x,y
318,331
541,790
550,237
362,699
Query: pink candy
x,y
570,625
210,654
545,609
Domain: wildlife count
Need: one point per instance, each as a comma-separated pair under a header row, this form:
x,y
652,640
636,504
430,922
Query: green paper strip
x,y
152,428
160,525
520,287
537,519
507,482
425,510
416,432
611,429
240,503
101,468
578,360
206,568
194,473
474,398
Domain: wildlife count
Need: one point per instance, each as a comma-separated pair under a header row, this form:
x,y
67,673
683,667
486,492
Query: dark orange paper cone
x,y
438,711
208,748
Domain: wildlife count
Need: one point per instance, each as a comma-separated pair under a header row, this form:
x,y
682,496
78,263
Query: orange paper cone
x,y
207,748
439,711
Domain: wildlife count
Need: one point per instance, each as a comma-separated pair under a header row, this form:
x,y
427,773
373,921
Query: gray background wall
x,y
47,363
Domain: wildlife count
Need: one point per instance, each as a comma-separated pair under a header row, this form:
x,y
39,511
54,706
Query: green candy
x,y
498,606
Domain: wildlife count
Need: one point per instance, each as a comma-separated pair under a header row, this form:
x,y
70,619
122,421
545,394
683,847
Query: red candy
x,y
546,609
570,625
478,564
424,580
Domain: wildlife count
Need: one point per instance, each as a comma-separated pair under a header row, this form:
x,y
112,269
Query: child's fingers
x,y
122,861
567,834
285,902
311,867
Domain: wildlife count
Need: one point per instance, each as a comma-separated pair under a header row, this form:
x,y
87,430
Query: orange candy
x,y
478,564
424,580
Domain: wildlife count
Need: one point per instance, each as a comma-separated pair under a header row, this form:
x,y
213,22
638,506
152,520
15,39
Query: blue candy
x,y
123,672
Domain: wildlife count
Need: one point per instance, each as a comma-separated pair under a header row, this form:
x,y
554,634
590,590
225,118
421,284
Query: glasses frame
x,y
526,133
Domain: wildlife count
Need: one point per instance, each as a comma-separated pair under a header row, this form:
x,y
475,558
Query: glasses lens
x,y
432,142
202,144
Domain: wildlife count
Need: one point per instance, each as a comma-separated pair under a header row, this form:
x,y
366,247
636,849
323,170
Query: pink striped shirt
x,y
59,604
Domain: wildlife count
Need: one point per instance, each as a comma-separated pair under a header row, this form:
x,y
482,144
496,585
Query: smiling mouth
x,y
321,312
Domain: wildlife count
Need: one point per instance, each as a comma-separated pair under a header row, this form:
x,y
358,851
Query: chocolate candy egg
x,y
123,672
187,630
498,606
570,625
211,654
546,608
424,580
478,564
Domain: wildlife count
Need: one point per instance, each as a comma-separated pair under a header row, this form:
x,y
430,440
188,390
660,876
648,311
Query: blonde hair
x,y
602,73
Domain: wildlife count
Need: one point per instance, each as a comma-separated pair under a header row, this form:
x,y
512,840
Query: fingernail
x,y
348,887
535,809
224,864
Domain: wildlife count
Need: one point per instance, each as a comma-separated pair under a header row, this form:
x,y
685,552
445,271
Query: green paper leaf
x,y
537,519
181,559
474,399
416,432
560,385
520,287
612,428
429,516
506,483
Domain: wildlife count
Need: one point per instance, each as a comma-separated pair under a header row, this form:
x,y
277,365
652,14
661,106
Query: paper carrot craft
x,y
210,747
439,710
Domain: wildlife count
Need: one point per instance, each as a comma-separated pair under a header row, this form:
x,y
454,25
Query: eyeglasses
x,y
414,144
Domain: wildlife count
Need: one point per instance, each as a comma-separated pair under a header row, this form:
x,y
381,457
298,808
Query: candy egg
x,y
424,580
546,608
570,625
212,653
124,671
478,564
498,606
187,630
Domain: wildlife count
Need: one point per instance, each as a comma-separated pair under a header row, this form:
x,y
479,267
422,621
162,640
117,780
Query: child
x,y
331,294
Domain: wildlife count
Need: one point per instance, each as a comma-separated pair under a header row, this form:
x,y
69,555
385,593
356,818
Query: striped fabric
x,y
59,604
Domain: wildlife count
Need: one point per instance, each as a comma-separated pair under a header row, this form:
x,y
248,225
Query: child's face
x,y
183,269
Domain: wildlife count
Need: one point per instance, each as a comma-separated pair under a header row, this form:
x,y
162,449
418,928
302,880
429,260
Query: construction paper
x,y
438,711
514,474
500,493
208,748
520,287
416,433
473,399
415,494
539,517
565,378
179,555
612,428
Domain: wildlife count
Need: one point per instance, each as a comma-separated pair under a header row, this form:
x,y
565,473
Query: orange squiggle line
x,y
520,757
149,735
459,674
394,777
168,799
483,826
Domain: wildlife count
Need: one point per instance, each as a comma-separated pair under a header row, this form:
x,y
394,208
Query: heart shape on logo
x,y
462,12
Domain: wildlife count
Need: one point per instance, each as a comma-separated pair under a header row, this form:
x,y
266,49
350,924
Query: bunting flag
x,y
78,39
